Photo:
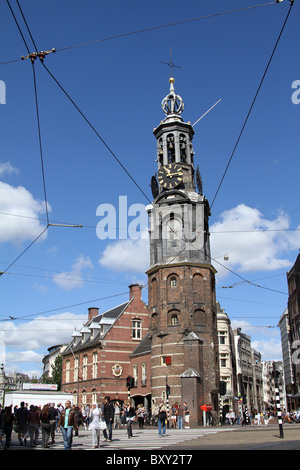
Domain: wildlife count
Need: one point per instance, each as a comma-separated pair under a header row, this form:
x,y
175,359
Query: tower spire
x,y
172,104
171,64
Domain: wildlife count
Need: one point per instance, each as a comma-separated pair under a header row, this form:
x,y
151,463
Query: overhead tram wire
x,y
39,134
154,28
225,267
253,102
24,251
176,23
38,116
96,132
60,223
88,120
36,100
73,102
135,32
64,307
34,78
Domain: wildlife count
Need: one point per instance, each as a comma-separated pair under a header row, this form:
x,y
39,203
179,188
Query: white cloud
x,y
267,339
73,279
270,349
7,168
16,202
24,344
248,251
40,333
24,356
127,255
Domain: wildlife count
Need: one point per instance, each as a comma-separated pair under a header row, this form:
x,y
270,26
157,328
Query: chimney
x,y
135,291
93,312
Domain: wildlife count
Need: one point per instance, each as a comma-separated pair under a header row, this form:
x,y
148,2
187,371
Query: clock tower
x,y
181,278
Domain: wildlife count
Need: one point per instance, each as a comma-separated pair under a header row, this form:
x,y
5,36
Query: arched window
x,y
171,148
199,317
160,152
83,397
154,321
94,395
173,288
154,292
173,317
182,146
198,288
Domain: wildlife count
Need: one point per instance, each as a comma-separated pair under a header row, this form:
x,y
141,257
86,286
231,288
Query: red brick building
x,y
97,361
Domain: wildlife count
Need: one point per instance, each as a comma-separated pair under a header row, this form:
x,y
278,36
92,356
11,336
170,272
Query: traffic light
x,y
222,387
130,382
168,390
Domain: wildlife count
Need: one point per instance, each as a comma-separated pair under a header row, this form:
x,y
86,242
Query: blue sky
x,y
118,84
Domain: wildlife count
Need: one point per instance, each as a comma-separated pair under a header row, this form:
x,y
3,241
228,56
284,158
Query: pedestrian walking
x,y
108,414
6,424
67,422
33,425
180,417
117,415
174,416
79,419
53,413
162,418
95,424
186,411
130,417
59,410
140,416
45,426
21,415
86,416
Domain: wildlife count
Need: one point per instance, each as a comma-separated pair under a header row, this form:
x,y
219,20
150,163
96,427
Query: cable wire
x,y
151,28
96,132
24,251
252,104
66,306
40,142
176,23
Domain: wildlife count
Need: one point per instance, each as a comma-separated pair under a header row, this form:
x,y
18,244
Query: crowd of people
x,y
258,418
30,421
33,422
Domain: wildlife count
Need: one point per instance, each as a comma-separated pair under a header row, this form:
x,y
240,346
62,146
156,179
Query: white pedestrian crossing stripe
x,y
143,439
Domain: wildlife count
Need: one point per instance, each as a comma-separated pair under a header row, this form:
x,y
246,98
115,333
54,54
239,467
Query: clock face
x,y
170,176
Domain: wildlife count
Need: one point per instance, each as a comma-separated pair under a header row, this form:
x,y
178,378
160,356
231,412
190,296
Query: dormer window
x,y
77,337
